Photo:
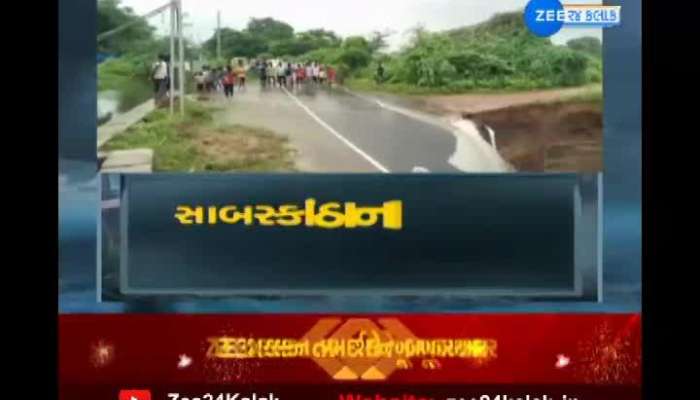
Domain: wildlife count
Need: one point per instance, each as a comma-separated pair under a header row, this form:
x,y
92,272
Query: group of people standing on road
x,y
222,80
289,75
272,74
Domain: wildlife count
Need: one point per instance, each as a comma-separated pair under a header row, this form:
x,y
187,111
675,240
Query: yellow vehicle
x,y
235,60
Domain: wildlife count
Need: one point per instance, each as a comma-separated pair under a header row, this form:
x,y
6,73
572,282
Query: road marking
x,y
466,146
335,133
400,110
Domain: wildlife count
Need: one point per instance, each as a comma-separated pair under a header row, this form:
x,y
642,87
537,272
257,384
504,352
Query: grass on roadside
x,y
592,94
194,143
127,79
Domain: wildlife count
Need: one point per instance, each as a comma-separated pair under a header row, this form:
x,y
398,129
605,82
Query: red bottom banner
x,y
353,357
353,392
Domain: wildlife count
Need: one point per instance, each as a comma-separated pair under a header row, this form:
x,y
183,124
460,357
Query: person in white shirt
x,y
160,78
316,72
281,74
309,72
272,74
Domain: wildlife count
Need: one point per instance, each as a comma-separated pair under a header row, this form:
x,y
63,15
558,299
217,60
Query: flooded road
x,y
337,131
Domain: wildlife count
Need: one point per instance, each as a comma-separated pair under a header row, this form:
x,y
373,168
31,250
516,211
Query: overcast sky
x,y
350,17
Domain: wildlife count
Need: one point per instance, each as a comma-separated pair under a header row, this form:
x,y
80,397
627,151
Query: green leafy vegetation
x,y
589,45
592,94
269,38
132,52
128,77
110,15
499,54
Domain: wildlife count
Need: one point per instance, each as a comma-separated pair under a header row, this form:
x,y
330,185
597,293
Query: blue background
x,y
546,28
79,199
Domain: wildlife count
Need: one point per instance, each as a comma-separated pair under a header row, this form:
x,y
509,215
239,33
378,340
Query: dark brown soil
x,y
551,137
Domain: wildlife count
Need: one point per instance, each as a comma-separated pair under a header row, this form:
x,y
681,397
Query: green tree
x,y
304,42
270,29
326,55
355,53
588,44
319,38
355,58
111,15
377,40
356,42
427,61
292,47
236,44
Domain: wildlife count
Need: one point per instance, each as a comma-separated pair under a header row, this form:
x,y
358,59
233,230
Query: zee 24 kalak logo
x,y
545,18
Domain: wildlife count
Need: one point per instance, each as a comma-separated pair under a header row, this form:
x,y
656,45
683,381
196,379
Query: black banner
x,y
502,235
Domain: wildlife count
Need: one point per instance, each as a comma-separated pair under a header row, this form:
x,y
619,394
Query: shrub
x,y
328,55
589,45
470,64
498,54
354,58
569,68
129,77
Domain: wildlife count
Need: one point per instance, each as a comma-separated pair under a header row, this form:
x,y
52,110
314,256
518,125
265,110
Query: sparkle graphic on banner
x,y
431,364
184,361
227,371
562,361
609,357
102,354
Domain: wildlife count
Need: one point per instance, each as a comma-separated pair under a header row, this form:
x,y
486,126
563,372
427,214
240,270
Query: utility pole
x,y
181,38
218,34
171,74
176,29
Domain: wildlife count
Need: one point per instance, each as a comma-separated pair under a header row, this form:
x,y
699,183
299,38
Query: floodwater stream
x,y
107,105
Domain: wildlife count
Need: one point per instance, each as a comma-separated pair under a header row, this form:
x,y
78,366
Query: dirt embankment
x,y
483,102
553,137
557,130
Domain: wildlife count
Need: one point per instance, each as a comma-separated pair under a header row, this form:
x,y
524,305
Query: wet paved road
x,y
336,131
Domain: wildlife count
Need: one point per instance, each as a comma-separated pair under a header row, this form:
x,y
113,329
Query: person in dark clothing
x,y
289,75
262,70
380,73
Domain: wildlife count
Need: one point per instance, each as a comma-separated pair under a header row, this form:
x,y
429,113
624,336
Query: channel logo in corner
x,y
546,17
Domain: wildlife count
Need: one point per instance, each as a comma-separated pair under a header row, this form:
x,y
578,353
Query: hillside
x,y
499,53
